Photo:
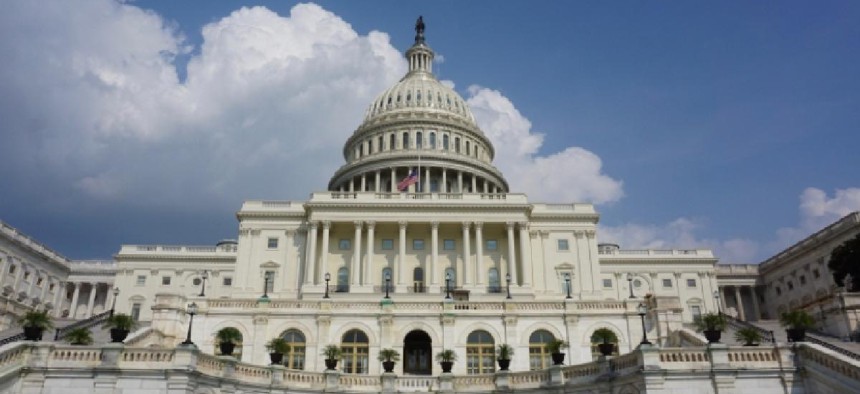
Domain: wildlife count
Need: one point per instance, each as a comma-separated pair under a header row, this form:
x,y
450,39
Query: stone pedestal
x,y
503,381
556,376
277,374
446,382
331,381
110,354
389,382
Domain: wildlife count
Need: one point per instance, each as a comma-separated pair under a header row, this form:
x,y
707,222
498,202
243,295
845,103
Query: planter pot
x,y
504,364
446,366
606,349
388,366
118,335
33,333
713,336
330,363
557,358
795,334
276,358
226,348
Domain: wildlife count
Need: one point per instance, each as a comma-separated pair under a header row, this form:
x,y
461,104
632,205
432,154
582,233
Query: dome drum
x,y
443,178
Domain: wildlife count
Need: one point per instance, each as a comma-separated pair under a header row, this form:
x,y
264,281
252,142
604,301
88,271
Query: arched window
x,y
468,148
445,142
419,140
539,357
342,280
457,144
451,274
237,351
379,147
392,142
418,280
480,353
406,140
354,348
432,140
493,278
595,351
295,359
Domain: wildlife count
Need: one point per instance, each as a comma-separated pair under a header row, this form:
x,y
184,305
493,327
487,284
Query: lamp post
x,y
567,281
387,284
717,299
447,285
630,284
642,309
113,303
508,279
192,310
266,277
327,278
204,276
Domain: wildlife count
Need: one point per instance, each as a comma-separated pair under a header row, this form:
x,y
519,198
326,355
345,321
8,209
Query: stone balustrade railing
x,y
87,362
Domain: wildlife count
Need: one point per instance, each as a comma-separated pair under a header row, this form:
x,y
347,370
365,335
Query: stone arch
x,y
462,339
586,338
283,327
527,332
372,339
417,325
246,333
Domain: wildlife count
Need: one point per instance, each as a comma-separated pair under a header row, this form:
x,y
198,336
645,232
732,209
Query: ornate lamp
x,y
191,311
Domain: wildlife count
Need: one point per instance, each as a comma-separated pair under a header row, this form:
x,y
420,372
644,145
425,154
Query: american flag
x,y
409,180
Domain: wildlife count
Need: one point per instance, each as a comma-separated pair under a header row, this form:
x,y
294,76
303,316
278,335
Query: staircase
x,y
772,330
62,327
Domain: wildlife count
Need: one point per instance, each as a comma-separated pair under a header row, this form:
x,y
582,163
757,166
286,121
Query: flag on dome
x,y
408,181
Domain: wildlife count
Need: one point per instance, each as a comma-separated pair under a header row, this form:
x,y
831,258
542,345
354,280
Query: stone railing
x,y
835,367
100,363
506,198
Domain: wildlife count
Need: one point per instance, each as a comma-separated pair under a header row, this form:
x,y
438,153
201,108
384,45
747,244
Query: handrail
x,y
766,335
86,323
830,346
13,338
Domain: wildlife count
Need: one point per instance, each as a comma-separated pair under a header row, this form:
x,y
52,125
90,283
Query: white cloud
x,y
573,174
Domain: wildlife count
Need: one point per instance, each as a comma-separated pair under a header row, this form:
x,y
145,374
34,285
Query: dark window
x,y
227,281
607,283
344,244
135,312
449,244
492,244
387,244
417,244
691,283
273,243
667,282
165,280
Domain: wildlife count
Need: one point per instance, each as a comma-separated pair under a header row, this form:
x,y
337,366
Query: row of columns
x,y
94,290
361,274
424,179
739,304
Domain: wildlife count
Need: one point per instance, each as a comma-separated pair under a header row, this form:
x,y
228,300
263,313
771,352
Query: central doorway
x,y
417,349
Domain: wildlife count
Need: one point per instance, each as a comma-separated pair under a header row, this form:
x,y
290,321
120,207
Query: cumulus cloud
x,y
817,210
573,174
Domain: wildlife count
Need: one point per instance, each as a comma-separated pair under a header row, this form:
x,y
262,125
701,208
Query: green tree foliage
x,y
845,260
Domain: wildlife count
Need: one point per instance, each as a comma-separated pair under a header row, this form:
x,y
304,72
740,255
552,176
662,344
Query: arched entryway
x,y
417,351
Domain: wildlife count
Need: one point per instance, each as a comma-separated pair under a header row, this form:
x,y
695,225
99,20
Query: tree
x,y
845,260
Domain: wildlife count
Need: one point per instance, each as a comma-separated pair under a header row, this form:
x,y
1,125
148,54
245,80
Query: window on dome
x,y
355,352
392,142
419,140
434,186
389,100
457,144
379,141
406,140
418,96
295,358
539,357
432,140
468,148
369,146
408,96
398,98
480,353
445,142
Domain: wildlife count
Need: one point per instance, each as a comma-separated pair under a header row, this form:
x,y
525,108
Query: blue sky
x,y
728,125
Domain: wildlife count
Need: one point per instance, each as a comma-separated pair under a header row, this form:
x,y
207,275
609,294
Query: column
x,y
378,184
59,296
426,180
92,301
326,225
46,282
401,257
18,277
739,302
73,308
486,186
109,298
368,259
311,253
444,186
459,181
351,185
678,286
355,271
512,255
722,291
363,182
618,286
34,277
393,179
525,254
474,184
756,308
479,254
434,253
4,270
466,255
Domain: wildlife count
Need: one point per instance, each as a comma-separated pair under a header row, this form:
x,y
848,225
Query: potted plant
x,y
796,323
35,323
332,355
277,348
749,336
712,325
446,359
503,354
120,325
79,336
554,347
388,358
227,338
605,340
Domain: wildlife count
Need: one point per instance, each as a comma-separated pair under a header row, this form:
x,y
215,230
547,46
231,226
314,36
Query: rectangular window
x,y
273,243
417,244
563,246
696,311
165,280
802,280
778,291
607,283
387,244
39,282
816,273
344,244
449,244
141,280
135,312
227,281
667,282
691,283
790,286
492,244
269,278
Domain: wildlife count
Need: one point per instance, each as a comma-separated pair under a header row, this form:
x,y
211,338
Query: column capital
x,y
466,226
313,225
523,226
509,225
478,225
434,224
358,224
677,274
544,233
579,233
402,224
326,224
590,233
370,224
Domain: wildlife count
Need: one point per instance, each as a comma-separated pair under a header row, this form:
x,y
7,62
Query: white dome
x,y
419,90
